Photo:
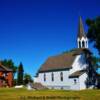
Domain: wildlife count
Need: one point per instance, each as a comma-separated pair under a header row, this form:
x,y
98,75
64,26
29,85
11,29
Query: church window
x,y
79,44
61,76
75,81
44,77
86,43
52,77
83,44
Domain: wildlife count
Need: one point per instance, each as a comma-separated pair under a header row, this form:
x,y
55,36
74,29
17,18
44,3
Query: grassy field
x,y
24,94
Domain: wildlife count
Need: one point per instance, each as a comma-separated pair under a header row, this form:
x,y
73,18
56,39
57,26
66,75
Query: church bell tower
x,y
82,39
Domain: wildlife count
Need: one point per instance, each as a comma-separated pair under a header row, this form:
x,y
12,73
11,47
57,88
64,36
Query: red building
x,y
6,76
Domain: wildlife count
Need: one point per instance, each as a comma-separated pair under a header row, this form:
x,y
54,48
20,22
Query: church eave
x,y
77,74
54,70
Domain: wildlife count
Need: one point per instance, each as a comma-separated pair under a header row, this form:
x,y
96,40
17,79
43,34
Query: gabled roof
x,y
77,74
60,62
3,68
81,32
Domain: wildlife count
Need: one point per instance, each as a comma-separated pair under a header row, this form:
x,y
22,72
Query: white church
x,y
67,70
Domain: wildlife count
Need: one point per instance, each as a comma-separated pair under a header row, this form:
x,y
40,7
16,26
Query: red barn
x,y
6,76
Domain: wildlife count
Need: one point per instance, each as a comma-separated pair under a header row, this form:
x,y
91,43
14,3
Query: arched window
x,y
52,77
86,43
75,81
61,76
83,44
79,44
44,77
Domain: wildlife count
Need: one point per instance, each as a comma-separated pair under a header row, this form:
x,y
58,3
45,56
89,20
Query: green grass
x,y
24,94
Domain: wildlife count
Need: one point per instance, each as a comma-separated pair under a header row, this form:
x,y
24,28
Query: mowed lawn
x,y
24,94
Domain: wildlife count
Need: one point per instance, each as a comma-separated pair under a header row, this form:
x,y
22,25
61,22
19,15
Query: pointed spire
x,y
81,32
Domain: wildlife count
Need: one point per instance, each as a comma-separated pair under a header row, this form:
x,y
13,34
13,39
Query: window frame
x,y
44,77
52,76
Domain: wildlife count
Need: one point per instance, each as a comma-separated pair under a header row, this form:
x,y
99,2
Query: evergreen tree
x,y
94,32
94,37
20,74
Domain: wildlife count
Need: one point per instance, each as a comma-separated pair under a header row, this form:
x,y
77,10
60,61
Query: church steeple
x,y
82,39
81,32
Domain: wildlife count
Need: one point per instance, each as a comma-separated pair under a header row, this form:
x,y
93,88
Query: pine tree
x,y
20,74
94,32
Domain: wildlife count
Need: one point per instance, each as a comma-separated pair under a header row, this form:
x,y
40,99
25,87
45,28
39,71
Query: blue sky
x,y
33,30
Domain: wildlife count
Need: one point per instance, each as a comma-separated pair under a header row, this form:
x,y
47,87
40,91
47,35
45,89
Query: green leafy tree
x,y
94,32
20,74
27,78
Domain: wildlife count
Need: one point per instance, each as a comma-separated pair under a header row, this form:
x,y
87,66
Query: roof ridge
x,y
67,52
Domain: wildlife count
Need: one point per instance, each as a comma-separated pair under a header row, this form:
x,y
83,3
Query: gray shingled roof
x,y
60,62
77,73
